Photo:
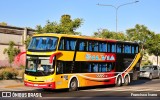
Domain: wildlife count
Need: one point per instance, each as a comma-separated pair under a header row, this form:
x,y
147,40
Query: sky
x,y
29,13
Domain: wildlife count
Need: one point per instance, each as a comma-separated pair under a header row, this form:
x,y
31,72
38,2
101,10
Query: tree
x,y
27,41
154,45
66,26
104,33
140,34
3,23
11,51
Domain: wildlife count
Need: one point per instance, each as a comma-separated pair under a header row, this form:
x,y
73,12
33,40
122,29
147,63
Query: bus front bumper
x,y
49,85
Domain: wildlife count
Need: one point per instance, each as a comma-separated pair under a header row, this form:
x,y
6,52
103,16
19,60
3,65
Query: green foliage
x,y
3,23
147,39
8,73
11,51
154,45
104,33
148,62
66,26
27,42
141,34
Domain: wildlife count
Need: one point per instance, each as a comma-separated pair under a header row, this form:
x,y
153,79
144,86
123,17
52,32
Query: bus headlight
x,y
25,78
49,80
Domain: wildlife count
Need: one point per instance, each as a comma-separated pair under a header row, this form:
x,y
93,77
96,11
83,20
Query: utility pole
x,y
116,8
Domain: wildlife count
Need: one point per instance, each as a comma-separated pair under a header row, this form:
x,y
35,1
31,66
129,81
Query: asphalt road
x,y
142,89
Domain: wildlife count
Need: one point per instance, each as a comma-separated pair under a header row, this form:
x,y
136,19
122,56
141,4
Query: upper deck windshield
x,y
43,44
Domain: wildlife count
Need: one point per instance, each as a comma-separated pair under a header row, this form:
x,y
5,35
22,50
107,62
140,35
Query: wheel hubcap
x,y
73,84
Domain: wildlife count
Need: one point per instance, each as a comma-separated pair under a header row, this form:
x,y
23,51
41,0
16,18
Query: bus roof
x,y
82,37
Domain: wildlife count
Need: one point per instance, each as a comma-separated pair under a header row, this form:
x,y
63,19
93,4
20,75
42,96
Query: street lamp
x,y
116,8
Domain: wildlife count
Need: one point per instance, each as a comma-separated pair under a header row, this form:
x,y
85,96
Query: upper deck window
x,y
119,48
43,43
83,45
102,47
137,49
67,44
127,49
93,46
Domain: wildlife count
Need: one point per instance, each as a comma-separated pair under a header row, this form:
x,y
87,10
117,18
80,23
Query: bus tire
x,y
73,85
126,81
118,81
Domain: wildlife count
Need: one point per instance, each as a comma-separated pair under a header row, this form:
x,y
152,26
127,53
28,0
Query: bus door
x,y
61,78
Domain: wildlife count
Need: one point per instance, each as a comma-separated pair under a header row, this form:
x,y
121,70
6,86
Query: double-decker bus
x,y
57,61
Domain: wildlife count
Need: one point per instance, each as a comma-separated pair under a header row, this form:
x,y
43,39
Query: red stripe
x,y
50,85
52,56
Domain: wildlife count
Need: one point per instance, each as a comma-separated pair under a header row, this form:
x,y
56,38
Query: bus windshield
x,y
43,44
39,67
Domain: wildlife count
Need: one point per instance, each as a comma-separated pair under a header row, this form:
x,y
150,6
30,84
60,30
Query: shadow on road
x,y
140,81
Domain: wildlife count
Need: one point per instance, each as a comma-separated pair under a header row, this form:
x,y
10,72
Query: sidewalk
x,y
11,83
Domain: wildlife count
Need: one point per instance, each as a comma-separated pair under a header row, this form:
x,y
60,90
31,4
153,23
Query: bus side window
x,y
95,46
113,48
136,49
60,67
81,46
67,45
109,68
90,46
100,67
66,65
61,46
70,44
95,67
104,67
133,51
109,47
102,47
119,48
85,67
89,68
127,49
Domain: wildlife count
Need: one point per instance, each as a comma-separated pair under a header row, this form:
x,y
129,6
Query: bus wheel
x,y
119,81
73,85
126,81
